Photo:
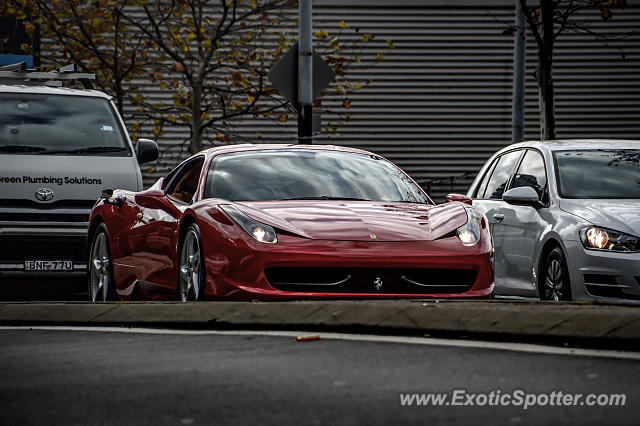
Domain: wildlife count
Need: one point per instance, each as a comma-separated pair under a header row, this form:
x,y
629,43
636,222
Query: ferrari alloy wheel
x,y
101,285
191,269
555,285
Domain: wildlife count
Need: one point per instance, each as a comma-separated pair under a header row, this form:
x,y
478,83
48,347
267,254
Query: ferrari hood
x,y
358,220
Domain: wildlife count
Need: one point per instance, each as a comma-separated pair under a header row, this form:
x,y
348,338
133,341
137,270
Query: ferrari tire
x,y
191,276
100,277
555,280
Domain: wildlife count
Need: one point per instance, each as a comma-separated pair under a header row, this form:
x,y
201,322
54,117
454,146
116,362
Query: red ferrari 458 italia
x,y
249,222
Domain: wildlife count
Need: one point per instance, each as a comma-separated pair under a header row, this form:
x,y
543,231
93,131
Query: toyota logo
x,y
44,194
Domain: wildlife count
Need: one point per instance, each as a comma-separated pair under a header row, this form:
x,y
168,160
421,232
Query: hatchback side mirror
x,y
146,151
522,196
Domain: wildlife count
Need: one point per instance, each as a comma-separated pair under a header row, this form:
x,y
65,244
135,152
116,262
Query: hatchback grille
x,y
21,247
600,285
600,279
372,280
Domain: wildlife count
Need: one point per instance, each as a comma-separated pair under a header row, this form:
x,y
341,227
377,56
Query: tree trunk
x,y
119,97
545,73
196,119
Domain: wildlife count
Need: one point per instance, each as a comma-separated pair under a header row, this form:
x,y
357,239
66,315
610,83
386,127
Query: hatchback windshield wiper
x,y
326,197
21,148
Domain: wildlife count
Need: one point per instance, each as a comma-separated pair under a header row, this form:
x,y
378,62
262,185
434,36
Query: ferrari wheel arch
x,y
184,224
97,221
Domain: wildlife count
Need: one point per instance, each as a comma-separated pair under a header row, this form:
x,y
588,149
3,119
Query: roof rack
x,y
19,74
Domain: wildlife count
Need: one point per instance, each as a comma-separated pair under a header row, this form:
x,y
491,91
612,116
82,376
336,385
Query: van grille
x,y
61,204
44,217
21,247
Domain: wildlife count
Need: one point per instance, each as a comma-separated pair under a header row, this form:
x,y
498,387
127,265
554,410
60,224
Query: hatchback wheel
x,y
555,279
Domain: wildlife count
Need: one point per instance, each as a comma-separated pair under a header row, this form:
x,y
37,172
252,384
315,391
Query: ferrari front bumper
x,y
301,268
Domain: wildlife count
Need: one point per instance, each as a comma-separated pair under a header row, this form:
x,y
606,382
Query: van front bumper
x,y
22,248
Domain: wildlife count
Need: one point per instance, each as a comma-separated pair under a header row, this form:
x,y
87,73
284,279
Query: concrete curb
x,y
594,325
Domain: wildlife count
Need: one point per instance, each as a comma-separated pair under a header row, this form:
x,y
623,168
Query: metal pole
x,y
519,61
305,72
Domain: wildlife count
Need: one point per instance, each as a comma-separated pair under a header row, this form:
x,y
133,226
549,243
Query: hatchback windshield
x,y
598,173
309,174
59,124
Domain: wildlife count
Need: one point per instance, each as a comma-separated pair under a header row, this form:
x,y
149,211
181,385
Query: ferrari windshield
x,y
309,174
596,174
59,124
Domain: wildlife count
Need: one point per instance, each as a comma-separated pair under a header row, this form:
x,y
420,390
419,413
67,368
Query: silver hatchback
x,y
565,218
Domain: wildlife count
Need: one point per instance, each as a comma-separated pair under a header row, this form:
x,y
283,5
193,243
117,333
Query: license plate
x,y
48,265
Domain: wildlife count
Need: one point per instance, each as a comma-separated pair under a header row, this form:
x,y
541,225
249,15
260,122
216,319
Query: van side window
x,y
501,174
531,173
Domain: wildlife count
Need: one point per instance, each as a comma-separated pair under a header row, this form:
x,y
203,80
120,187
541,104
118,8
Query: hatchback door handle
x,y
499,217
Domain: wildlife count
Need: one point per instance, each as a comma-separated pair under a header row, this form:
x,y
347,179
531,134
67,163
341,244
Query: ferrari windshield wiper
x,y
410,202
21,148
326,197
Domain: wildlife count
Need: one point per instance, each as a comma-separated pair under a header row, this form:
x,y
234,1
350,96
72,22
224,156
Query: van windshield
x,y
59,124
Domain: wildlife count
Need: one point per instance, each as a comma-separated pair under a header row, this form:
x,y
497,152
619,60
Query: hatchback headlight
x,y
470,232
258,230
596,238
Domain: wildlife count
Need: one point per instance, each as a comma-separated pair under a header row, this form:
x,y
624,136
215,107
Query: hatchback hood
x,y
359,220
619,215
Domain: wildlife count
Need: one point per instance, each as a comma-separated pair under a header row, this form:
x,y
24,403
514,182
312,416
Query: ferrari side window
x,y
185,184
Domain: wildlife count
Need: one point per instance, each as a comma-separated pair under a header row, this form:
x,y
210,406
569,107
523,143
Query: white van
x,y
59,148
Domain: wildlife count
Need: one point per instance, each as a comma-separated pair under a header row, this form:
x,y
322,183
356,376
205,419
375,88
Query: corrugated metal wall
x,y
439,104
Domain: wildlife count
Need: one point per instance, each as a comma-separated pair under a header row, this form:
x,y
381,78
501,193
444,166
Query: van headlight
x,y
470,232
596,238
258,230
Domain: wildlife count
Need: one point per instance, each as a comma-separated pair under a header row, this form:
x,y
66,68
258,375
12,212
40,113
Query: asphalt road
x,y
92,377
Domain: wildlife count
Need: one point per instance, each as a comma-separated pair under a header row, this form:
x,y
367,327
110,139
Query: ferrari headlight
x,y
470,232
258,230
596,238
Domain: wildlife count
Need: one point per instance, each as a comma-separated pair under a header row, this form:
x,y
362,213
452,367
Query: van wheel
x,y
555,280
101,283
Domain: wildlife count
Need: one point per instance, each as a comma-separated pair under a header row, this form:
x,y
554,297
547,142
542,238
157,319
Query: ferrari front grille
x,y
372,280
